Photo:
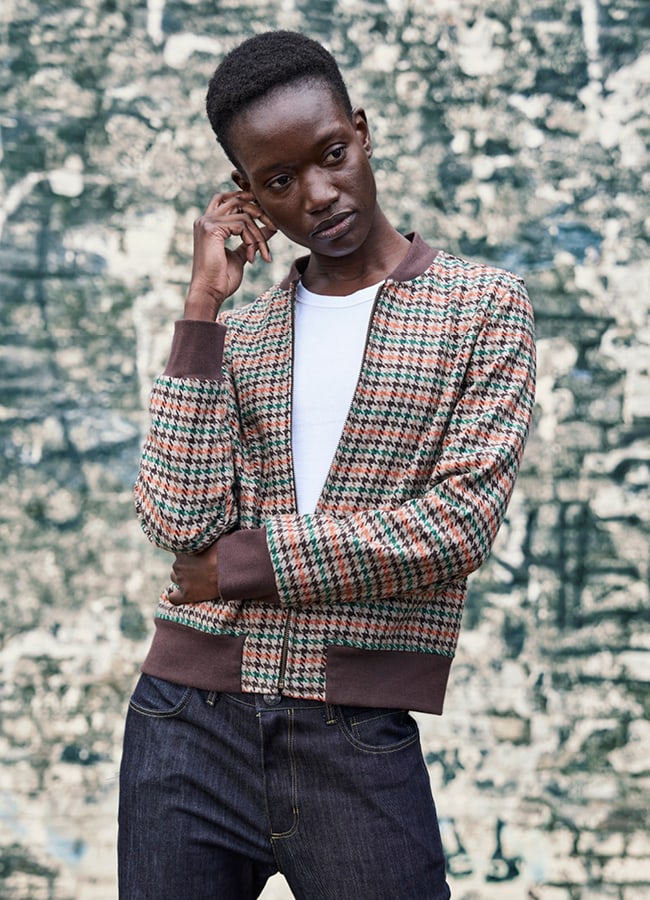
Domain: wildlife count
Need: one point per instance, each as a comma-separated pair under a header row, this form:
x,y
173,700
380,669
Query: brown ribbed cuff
x,y
197,350
245,571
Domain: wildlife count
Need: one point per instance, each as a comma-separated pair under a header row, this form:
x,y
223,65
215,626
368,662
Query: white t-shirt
x,y
329,342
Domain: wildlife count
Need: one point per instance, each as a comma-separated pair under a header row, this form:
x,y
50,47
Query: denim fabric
x,y
220,791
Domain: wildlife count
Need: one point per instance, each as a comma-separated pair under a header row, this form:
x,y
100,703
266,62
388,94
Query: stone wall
x,y
513,132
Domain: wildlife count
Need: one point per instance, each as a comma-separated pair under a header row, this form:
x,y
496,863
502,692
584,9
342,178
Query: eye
x,y
336,154
279,182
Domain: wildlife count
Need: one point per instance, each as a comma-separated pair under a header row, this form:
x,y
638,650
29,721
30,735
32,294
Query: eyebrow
x,y
325,139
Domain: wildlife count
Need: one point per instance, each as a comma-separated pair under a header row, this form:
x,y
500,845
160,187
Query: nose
x,y
319,190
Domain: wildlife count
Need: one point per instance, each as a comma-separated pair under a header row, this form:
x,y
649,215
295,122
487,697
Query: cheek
x,y
363,177
283,219
273,210
286,220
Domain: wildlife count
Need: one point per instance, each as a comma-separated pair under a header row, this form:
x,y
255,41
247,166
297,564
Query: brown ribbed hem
x,y
197,350
244,568
381,678
211,662
392,678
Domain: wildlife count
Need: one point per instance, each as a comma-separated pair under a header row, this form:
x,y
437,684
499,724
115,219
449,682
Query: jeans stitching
x,y
294,781
374,749
170,713
239,700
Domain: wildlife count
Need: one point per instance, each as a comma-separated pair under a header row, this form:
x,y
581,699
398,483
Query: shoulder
x,y
463,274
261,327
469,286
253,314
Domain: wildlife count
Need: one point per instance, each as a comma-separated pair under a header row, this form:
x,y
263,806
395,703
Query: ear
x,y
243,184
240,180
360,124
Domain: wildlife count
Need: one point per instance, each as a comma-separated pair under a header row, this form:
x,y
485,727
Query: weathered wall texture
x,y
514,132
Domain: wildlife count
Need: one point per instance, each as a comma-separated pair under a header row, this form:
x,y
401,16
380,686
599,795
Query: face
x,y
307,163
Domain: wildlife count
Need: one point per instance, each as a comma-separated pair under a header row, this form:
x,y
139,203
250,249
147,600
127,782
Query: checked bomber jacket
x,y
361,601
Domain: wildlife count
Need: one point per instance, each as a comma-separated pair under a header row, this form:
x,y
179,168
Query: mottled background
x,y
512,132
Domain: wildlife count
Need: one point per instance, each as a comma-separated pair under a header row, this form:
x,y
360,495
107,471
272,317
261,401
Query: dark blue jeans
x,y
220,791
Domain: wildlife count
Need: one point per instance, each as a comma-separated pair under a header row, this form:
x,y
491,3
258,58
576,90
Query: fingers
x,y
194,578
175,592
174,595
178,596
239,214
267,233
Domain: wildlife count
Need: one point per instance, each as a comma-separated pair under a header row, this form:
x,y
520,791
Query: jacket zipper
x,y
370,323
284,653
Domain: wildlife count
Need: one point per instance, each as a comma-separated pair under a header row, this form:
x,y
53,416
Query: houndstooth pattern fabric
x,y
416,492
188,464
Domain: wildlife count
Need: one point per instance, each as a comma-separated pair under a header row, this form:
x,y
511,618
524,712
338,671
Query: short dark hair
x,y
262,63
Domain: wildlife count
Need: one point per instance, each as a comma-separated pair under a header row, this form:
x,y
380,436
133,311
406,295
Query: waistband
x,y
261,702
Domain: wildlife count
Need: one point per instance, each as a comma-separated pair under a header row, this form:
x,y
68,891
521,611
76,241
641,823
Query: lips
x,y
333,227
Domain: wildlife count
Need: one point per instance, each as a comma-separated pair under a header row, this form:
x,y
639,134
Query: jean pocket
x,y
159,698
377,730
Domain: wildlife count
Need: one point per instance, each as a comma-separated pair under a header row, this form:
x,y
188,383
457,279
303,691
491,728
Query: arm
x,y
448,532
185,493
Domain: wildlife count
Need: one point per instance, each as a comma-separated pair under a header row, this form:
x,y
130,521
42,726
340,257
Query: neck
x,y
380,253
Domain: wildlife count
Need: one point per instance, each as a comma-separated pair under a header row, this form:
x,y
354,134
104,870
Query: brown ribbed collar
x,y
419,257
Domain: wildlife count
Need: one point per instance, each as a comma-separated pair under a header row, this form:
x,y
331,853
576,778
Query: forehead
x,y
295,113
314,89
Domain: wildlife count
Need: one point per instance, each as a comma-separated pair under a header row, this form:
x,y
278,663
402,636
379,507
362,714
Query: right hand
x,y
217,270
194,577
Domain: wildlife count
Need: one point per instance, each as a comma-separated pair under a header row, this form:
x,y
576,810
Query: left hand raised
x,y
194,577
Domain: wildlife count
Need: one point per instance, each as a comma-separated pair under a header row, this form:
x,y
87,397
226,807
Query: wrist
x,y
202,305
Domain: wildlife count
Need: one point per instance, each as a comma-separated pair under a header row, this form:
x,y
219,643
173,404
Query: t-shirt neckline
x,y
356,298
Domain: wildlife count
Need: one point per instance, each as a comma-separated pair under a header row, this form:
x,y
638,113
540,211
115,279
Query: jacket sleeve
x,y
448,532
185,492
